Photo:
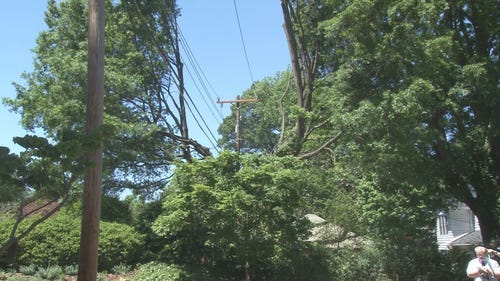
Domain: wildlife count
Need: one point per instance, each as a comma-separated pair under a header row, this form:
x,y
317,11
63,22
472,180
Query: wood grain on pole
x,y
89,240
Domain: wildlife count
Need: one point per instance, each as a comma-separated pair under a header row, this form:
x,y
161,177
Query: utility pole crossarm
x,y
237,100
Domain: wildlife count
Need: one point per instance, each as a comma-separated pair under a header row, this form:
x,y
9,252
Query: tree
x,y
143,114
405,96
239,216
420,82
45,175
411,87
263,125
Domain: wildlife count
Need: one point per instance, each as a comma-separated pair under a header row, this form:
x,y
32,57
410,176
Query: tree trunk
x,y
485,210
304,67
12,252
297,72
182,103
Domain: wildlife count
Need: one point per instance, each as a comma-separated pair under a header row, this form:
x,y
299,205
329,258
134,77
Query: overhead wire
x,y
216,147
200,75
201,78
191,104
243,41
176,82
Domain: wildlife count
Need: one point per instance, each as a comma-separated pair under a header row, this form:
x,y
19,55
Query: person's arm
x,y
496,267
493,252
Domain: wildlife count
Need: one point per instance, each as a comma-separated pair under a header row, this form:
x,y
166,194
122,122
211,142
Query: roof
x,y
466,239
37,207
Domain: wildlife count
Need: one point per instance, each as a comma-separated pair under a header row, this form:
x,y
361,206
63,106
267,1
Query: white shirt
x,y
476,263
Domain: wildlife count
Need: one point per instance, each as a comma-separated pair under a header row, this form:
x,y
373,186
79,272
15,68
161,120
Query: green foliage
x,y
56,242
118,244
159,271
28,269
51,272
115,210
121,268
260,124
112,209
52,96
398,260
420,98
10,188
44,172
235,212
153,271
71,269
24,278
143,216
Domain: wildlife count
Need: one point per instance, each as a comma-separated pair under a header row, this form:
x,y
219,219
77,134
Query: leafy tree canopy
x,y
239,215
143,114
404,96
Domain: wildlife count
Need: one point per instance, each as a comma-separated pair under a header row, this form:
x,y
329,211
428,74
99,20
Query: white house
x,y
457,227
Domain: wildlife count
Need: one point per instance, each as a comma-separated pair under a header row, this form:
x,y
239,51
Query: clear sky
x,y
211,31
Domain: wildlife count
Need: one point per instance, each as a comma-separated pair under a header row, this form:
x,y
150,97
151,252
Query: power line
x,y
204,122
200,75
193,63
242,40
177,79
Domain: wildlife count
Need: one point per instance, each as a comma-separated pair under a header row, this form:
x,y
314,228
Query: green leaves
x,y
235,209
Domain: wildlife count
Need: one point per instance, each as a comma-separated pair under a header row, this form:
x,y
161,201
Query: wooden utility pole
x,y
237,101
91,213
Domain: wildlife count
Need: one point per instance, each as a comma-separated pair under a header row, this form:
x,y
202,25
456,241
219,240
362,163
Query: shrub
x,y
121,268
53,272
56,241
28,269
159,271
14,278
5,229
119,244
71,269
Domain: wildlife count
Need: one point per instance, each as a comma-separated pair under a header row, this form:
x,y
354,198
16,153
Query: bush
x,y
53,272
28,269
160,271
71,270
5,229
57,240
119,244
121,269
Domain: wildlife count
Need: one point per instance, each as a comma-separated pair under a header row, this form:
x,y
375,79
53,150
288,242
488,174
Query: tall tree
x,y
157,34
420,82
306,46
412,89
143,112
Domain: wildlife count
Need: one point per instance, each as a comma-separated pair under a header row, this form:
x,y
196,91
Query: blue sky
x,y
210,29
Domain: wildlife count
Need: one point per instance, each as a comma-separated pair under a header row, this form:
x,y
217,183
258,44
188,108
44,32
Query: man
x,y
483,268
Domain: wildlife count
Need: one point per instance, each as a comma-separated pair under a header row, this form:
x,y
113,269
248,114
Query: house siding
x,y
454,224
